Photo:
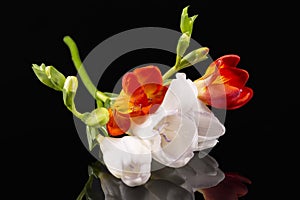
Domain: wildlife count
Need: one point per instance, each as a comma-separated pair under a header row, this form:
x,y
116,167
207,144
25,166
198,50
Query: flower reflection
x,y
231,188
201,174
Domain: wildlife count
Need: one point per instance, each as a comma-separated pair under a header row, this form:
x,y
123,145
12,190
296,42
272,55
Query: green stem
x,y
101,96
81,70
76,113
83,191
178,58
170,72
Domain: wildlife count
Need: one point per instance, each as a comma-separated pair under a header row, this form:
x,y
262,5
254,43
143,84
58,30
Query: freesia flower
x,y
181,125
142,93
127,158
223,85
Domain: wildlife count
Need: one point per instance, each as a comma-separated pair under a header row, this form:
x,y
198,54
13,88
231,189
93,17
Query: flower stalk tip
x,y
49,76
186,22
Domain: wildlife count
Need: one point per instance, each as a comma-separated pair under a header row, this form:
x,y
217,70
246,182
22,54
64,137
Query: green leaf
x,y
92,134
186,22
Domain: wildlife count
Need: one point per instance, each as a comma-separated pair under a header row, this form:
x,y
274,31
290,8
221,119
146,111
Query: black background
x,y
43,157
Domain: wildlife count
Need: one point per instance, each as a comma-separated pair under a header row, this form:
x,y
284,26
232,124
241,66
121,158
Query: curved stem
x,y
76,113
81,70
169,73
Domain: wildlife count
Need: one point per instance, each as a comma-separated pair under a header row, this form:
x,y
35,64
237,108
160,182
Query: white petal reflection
x,y
165,184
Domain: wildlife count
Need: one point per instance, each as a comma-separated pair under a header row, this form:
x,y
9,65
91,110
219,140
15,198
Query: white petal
x,y
202,145
209,127
181,95
178,139
128,158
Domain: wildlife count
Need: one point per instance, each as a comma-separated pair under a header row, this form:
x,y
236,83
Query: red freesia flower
x,y
223,85
231,188
142,93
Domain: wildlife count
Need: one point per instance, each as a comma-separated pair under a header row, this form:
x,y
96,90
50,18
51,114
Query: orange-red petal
x,y
244,97
118,123
223,85
142,94
130,83
149,75
234,76
219,95
230,60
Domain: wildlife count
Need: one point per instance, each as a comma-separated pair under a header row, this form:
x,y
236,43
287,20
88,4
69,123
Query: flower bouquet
x,y
157,119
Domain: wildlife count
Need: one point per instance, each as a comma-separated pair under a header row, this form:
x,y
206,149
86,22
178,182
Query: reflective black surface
x,y
201,177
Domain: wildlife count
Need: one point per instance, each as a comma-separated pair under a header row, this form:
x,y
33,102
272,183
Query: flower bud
x,y
186,22
69,91
57,78
97,117
71,84
49,76
41,75
183,44
194,57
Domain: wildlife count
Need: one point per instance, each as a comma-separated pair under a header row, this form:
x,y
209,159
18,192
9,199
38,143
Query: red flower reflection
x,y
142,93
223,85
231,188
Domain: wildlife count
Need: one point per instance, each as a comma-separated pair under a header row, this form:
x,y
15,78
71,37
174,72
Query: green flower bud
x,y
69,91
71,84
186,22
183,44
194,57
42,76
97,117
57,78
49,76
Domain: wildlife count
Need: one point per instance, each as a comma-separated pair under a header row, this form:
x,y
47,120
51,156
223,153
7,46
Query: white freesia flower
x,y
182,124
127,158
